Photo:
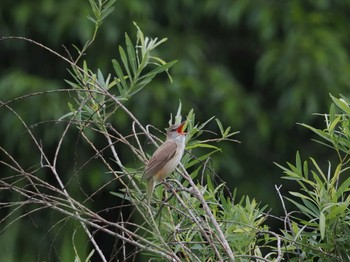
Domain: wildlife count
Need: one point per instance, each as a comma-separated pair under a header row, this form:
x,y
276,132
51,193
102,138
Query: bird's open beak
x,y
180,129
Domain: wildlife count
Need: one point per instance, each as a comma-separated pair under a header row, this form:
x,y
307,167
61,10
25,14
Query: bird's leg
x,y
168,187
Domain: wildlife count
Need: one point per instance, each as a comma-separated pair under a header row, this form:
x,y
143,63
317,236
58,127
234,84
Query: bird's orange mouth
x,y
180,129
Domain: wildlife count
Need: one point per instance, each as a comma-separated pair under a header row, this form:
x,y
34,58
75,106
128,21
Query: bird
x,y
166,158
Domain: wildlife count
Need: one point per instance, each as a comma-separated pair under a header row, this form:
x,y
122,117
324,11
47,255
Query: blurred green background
x,y
259,66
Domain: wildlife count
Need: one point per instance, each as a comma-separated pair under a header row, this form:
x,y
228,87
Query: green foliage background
x,y
259,66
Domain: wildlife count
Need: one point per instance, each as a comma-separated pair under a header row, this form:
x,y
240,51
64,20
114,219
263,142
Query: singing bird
x,y
166,158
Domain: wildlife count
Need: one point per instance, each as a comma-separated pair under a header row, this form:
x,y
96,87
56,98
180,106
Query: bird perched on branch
x,y
166,158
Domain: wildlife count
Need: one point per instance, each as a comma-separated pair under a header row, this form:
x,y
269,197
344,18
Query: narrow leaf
x,y
341,104
125,61
131,54
322,225
199,145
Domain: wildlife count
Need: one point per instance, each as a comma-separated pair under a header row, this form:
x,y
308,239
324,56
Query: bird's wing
x,y
160,157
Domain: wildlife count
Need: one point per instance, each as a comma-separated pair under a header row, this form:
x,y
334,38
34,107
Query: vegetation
x,y
74,150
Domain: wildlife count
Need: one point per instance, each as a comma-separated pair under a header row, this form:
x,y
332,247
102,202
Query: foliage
x,y
66,170
257,65
320,230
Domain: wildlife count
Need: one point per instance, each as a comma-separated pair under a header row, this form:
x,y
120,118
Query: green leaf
x,y
306,170
205,123
332,113
121,195
196,145
298,163
120,81
131,54
199,159
94,7
322,225
125,61
334,124
221,128
159,69
343,188
297,194
178,117
109,4
91,19
190,118
210,183
100,79
106,12
320,133
341,104
311,205
72,84
194,173
306,211
337,210
318,169
335,177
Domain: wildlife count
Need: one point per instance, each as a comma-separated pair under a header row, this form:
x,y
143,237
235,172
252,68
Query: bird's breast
x,y
170,166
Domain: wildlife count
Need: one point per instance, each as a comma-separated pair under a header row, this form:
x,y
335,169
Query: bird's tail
x,y
150,188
